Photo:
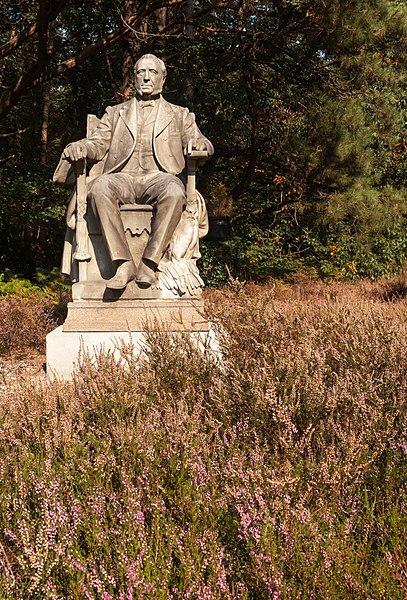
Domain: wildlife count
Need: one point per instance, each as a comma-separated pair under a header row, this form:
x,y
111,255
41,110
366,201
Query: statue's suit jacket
x,y
115,137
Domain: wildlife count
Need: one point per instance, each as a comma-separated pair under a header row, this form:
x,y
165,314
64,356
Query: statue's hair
x,y
153,57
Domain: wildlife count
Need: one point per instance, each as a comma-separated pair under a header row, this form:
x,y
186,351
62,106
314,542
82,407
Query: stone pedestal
x,y
95,327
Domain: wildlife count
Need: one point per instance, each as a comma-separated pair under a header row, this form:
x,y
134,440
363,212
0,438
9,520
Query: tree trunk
x,y
45,121
188,9
131,50
247,177
160,16
46,96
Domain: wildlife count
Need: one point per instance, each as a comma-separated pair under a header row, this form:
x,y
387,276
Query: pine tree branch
x,y
16,41
41,72
13,133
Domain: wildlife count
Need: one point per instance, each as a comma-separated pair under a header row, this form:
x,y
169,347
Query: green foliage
x,y
12,285
259,253
212,265
255,253
339,254
44,283
32,211
304,101
274,243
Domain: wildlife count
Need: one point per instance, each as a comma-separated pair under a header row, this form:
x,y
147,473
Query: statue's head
x,y
150,74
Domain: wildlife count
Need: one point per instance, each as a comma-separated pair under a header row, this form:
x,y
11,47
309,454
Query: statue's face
x,y
149,78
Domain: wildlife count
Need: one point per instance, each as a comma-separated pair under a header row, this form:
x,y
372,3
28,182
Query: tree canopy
x,y
304,101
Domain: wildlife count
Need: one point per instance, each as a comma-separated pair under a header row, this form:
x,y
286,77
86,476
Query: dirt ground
x,y
18,369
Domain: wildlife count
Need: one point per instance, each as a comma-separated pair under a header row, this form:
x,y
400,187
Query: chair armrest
x,y
195,154
193,159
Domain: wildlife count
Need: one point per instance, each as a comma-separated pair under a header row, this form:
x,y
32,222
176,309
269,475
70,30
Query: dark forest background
x,y
305,102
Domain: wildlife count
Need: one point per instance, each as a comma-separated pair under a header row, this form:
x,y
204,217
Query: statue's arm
x,y
192,137
98,142
94,147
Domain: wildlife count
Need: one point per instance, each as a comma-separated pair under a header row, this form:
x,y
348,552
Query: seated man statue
x,y
144,142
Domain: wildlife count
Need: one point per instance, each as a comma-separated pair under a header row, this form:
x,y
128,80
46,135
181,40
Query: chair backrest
x,y
91,124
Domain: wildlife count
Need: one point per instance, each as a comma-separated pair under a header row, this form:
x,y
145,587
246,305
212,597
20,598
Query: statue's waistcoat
x,y
142,159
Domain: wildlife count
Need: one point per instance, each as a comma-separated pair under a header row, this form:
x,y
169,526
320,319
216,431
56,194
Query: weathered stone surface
x,y
66,349
131,217
134,222
138,315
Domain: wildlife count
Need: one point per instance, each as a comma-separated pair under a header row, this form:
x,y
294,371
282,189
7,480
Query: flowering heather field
x,y
279,473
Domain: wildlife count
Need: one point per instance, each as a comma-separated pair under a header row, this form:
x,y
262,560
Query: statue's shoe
x,y
124,274
145,275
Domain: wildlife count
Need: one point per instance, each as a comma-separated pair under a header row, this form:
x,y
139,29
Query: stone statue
x,y
143,144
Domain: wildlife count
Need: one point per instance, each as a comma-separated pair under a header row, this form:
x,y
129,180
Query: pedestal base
x,y
65,349
136,315
92,328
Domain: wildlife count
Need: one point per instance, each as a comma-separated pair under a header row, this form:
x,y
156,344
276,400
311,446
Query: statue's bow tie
x,y
144,103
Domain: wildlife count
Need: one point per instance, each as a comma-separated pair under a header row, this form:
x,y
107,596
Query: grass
x,y
278,473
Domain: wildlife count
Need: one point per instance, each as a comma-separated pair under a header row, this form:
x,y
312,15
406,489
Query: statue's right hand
x,y
75,151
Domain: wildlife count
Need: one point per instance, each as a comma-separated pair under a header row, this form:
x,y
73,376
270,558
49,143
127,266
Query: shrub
x,y
257,252
24,323
49,284
278,473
